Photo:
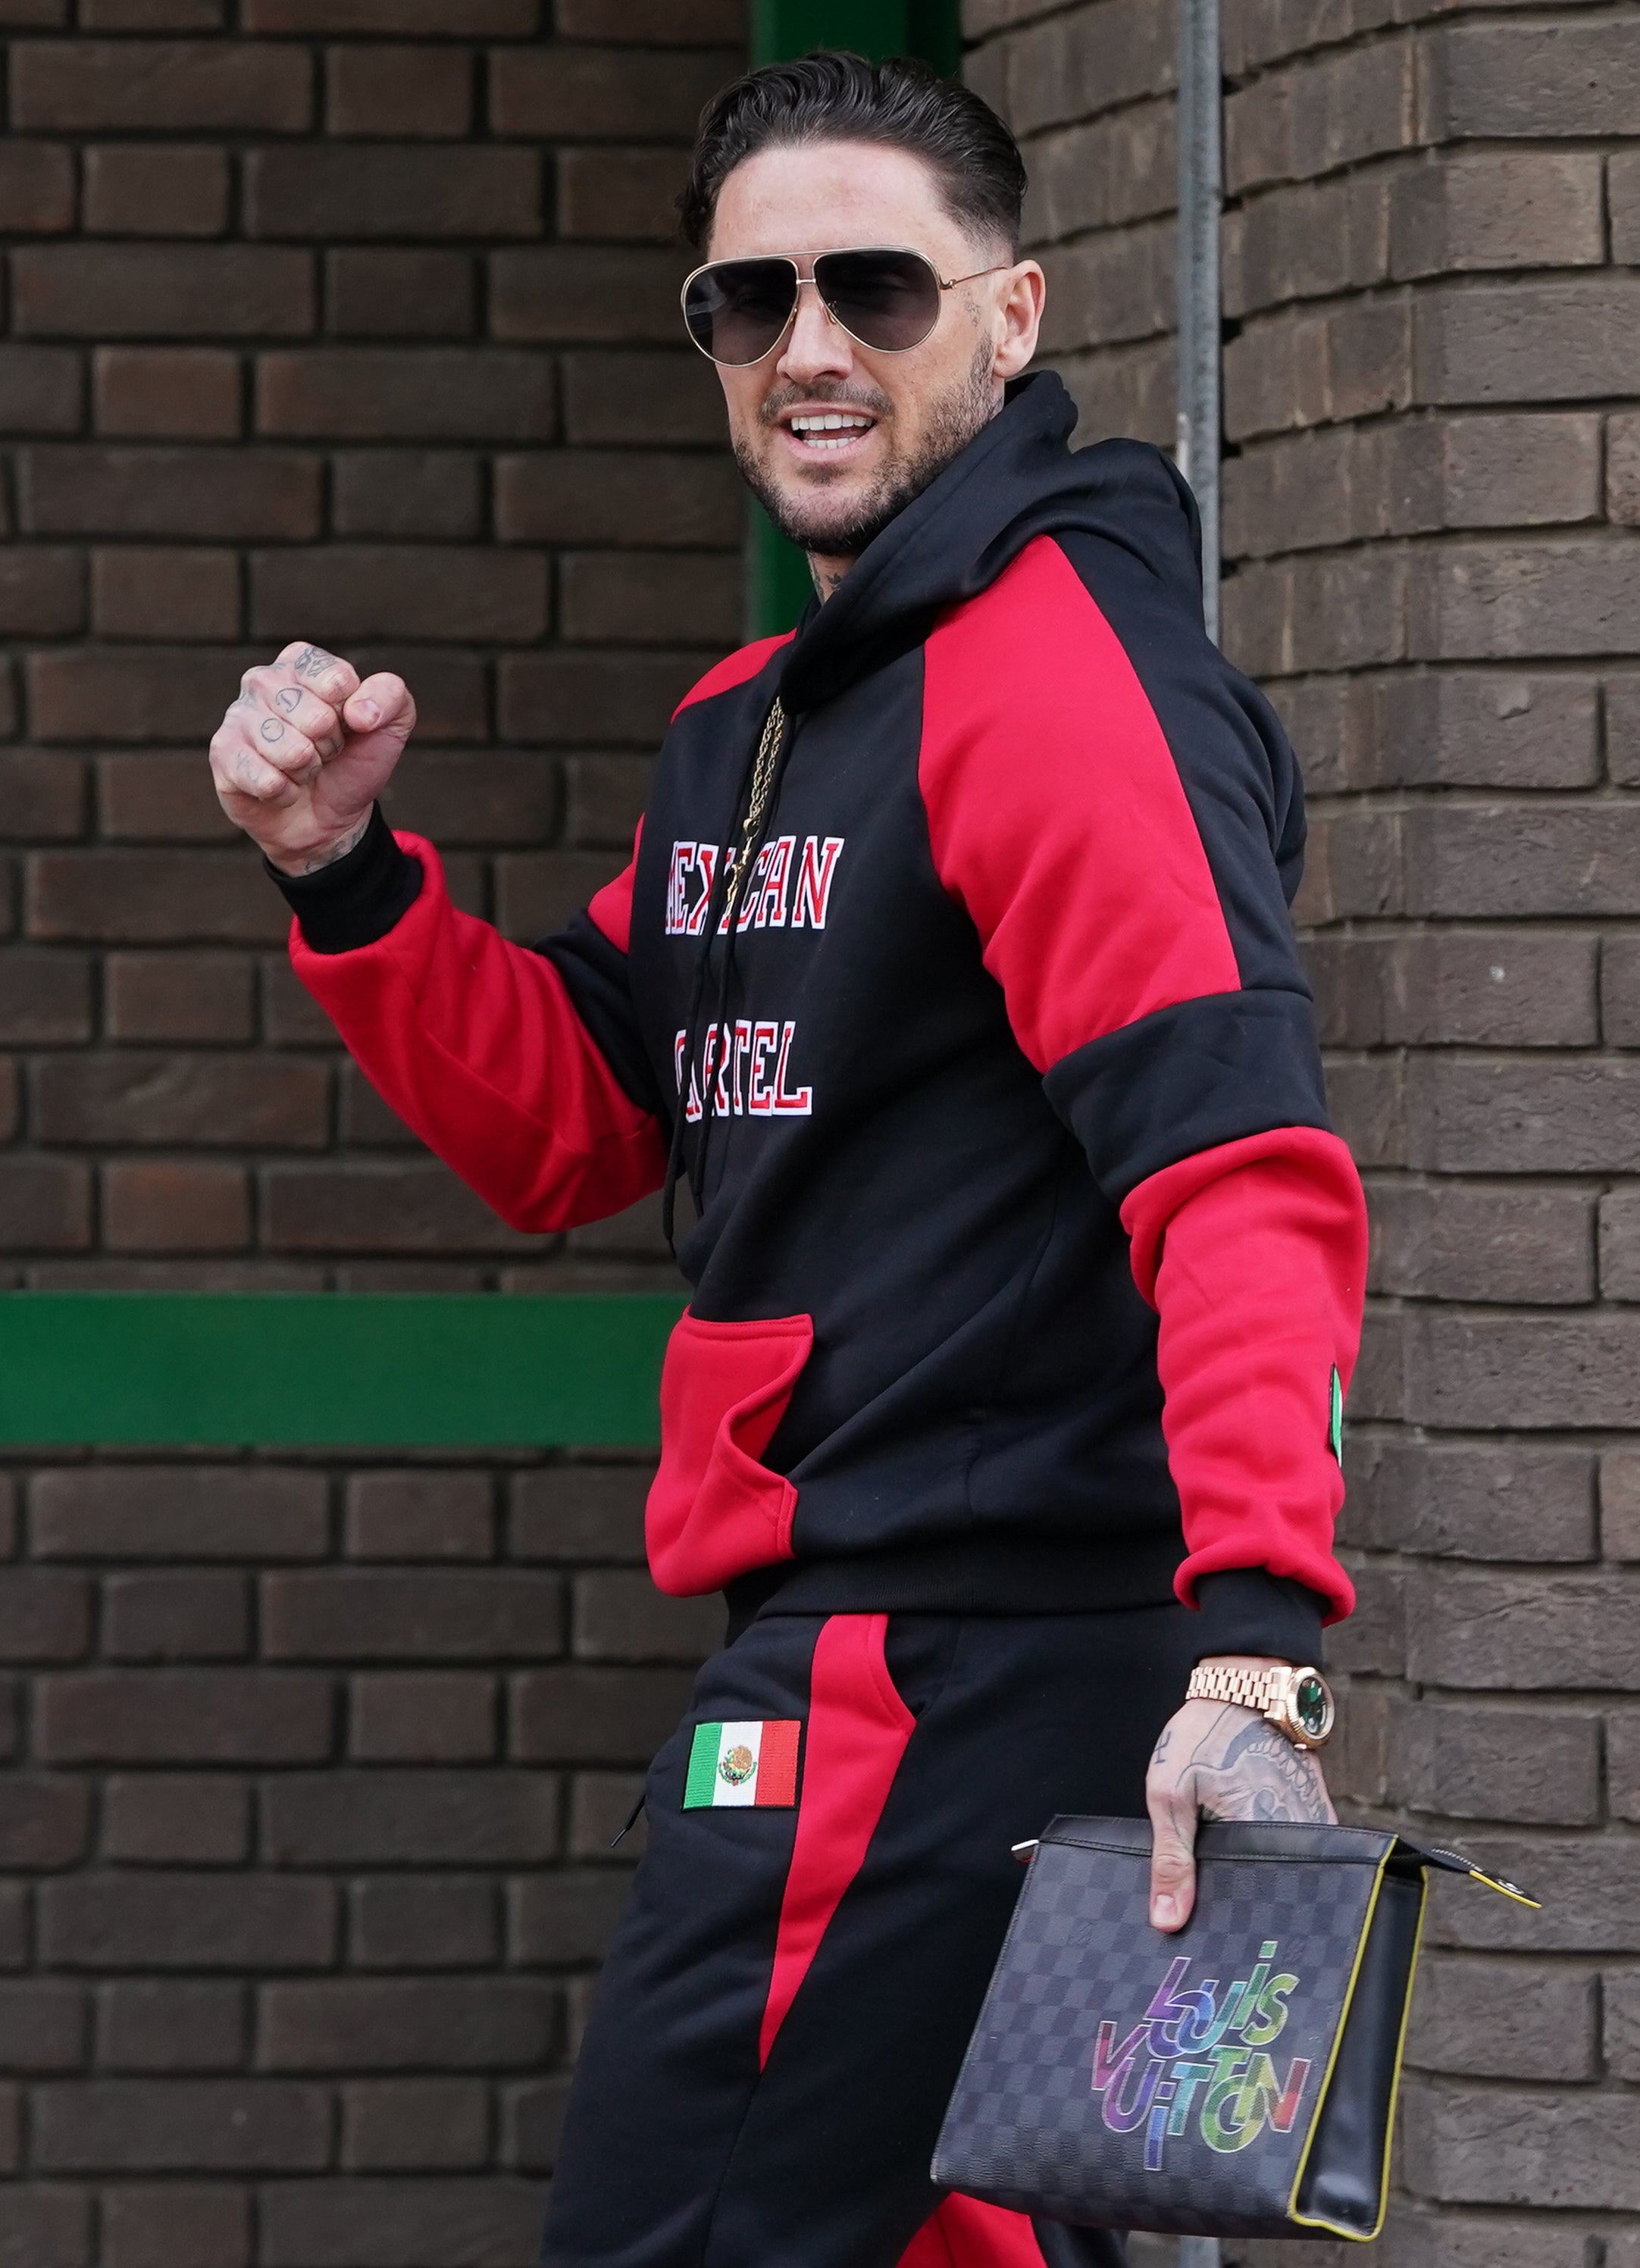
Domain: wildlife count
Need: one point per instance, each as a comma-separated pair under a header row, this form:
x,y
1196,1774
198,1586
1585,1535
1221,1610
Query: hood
x,y
1017,480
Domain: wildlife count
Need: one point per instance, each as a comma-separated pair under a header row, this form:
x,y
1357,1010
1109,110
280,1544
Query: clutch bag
x,y
1237,2079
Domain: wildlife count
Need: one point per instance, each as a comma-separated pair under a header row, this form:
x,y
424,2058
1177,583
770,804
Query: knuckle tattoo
x,y
313,661
288,698
272,729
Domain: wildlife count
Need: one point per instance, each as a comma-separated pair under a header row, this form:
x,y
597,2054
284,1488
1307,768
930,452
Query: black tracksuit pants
x,y
788,1999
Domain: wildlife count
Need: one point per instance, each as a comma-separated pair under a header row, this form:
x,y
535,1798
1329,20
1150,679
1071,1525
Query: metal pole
x,y
1201,203
1198,2252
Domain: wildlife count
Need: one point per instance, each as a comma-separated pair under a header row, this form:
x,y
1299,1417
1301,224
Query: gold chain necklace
x,y
763,780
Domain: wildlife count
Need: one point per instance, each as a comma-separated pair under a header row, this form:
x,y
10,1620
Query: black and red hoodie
x,y
1027,1273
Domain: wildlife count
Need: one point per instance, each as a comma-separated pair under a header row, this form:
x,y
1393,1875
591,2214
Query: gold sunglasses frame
x,y
945,284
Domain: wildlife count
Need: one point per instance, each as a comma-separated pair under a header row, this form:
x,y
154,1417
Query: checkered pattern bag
x,y
1237,2079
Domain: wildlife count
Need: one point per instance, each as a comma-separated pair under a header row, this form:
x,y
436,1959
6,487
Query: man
x,y
953,973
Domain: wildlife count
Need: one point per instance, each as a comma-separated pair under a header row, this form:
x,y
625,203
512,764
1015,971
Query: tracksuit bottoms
x,y
826,1887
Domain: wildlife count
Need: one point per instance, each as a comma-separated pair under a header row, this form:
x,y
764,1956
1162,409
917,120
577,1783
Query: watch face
x,y
1313,1705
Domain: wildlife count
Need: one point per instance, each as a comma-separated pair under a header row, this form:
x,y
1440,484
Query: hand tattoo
x,y
288,698
1245,1768
272,729
313,661
338,850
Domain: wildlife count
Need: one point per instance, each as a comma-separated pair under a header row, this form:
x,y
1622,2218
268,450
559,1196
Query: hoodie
x,y
1026,1273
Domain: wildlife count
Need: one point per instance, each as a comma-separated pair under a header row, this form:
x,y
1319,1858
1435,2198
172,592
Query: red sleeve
x,y
1057,817
475,1042
1253,1255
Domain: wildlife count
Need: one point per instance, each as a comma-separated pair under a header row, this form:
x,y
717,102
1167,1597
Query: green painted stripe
x,y
702,1783
278,1370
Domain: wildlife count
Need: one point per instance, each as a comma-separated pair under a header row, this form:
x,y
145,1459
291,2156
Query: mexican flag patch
x,y
1335,1416
743,1764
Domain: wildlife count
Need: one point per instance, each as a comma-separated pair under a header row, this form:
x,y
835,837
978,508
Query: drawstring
x,y
754,807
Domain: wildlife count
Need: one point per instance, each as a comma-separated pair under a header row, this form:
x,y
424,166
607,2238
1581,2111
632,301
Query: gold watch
x,y
1298,1702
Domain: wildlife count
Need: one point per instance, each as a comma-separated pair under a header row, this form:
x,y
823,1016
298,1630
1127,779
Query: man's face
x,y
908,414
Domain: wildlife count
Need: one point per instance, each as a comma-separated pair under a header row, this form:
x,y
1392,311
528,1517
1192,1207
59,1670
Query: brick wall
x,y
1434,478
370,339
355,320
307,1850
315,1763
1089,92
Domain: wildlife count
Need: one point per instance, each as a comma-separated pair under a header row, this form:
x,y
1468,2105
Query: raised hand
x,y
1217,1761
303,754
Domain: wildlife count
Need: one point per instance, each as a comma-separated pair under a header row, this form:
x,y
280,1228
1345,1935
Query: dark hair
x,y
835,96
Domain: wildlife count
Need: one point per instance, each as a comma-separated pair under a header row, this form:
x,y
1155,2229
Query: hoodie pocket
x,y
715,1510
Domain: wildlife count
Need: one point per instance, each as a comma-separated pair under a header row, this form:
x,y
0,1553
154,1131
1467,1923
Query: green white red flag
x,y
743,1764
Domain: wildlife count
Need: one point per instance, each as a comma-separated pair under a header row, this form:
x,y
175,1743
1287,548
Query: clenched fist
x,y
303,754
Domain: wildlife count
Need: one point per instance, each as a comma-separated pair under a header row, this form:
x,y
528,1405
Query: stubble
x,y
845,530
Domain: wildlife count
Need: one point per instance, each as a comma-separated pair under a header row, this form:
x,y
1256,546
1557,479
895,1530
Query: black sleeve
x,y
356,899
1249,1611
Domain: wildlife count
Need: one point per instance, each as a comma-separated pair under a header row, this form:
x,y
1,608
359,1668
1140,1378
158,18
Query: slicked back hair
x,y
836,95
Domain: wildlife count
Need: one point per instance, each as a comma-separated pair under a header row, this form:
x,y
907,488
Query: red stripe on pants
x,y
965,2234
857,1730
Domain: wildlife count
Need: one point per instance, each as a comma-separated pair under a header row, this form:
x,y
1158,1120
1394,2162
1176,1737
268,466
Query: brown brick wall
x,y
314,1765
1433,335
307,1825
355,320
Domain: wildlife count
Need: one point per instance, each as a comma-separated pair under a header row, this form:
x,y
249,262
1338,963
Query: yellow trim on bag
x,y
1401,2051
1440,1855
1504,1890
1316,2221
1293,2213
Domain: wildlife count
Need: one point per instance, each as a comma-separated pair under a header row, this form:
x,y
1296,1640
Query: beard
x,y
845,529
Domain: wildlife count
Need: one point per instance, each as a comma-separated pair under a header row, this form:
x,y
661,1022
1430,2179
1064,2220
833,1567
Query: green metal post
x,y
777,574
792,27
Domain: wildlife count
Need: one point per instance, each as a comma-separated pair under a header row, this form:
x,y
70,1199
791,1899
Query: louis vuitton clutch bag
x,y
1236,2080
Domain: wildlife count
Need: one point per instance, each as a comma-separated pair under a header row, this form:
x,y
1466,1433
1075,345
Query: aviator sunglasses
x,y
885,297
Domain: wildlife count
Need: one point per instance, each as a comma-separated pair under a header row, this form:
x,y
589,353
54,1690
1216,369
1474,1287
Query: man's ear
x,y
1020,308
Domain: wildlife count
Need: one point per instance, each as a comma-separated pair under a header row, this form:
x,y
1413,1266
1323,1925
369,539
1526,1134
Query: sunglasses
x,y
884,297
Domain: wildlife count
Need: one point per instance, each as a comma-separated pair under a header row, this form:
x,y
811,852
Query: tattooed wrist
x,y
314,862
